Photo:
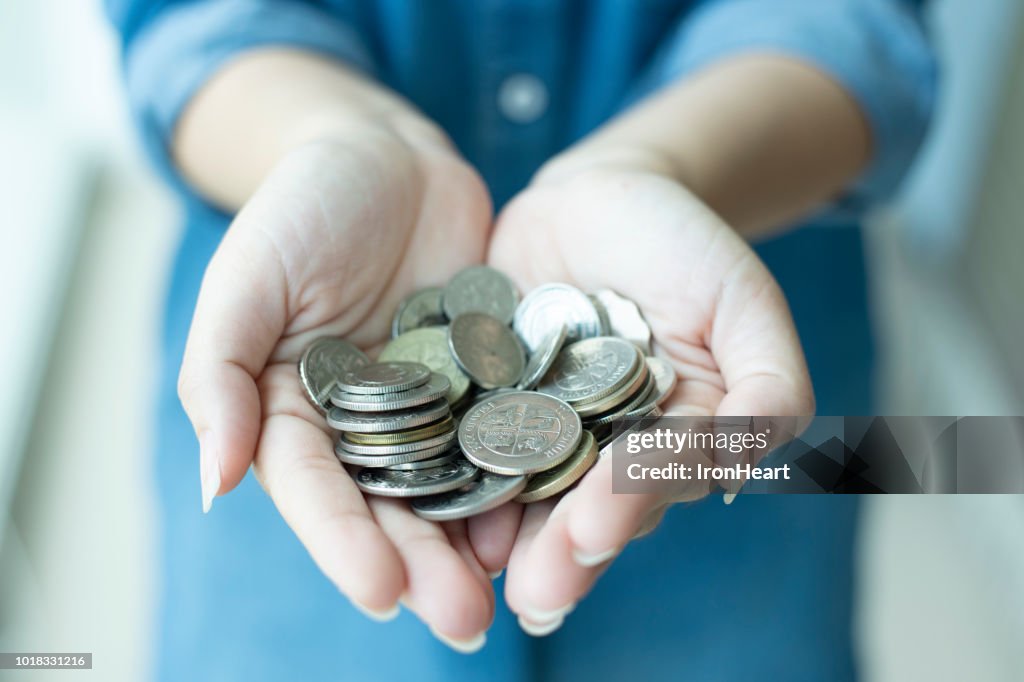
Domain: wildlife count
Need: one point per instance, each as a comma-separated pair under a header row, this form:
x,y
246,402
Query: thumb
x,y
239,317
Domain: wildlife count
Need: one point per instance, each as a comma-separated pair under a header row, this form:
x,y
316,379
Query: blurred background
x,y
87,236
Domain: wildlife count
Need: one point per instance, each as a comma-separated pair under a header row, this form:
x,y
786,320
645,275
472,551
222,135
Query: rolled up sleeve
x,y
172,48
877,50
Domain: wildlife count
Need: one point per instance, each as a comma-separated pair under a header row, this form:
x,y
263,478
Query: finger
x,y
295,464
534,517
542,544
458,537
651,521
493,534
239,316
442,587
590,526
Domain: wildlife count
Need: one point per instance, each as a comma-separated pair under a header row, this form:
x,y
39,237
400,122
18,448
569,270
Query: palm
x,y
715,312
355,230
641,236
330,243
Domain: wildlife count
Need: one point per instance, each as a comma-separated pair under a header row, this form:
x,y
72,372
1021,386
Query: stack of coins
x,y
394,416
608,379
481,398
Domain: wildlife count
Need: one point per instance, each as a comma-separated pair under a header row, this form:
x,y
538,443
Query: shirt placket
x,y
517,95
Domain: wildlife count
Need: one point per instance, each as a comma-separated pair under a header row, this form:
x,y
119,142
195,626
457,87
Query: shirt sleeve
x,y
876,49
171,47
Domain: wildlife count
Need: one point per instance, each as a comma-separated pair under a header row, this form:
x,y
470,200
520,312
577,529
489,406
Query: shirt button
x,y
522,98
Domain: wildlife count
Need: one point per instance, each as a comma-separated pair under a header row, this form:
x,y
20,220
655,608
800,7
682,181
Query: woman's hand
x,y
715,312
339,231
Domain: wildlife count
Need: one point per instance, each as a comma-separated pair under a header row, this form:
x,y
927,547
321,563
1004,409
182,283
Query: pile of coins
x,y
480,398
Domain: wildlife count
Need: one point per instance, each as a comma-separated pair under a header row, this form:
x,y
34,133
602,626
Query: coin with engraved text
x,y
589,370
519,432
416,482
325,361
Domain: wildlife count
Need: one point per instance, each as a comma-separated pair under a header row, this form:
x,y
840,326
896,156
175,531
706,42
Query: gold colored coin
x,y
406,436
553,481
429,345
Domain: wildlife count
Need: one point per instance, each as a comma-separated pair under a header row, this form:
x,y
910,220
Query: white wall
x,y
87,232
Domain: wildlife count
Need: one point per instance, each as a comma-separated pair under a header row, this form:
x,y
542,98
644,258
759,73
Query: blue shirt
x,y
514,82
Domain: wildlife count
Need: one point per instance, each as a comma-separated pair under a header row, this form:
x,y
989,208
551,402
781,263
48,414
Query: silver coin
x,y
664,377
519,433
486,349
384,377
417,482
602,313
550,305
325,361
589,370
429,346
646,409
419,309
610,434
627,394
488,491
480,289
449,456
487,395
396,448
625,320
622,409
388,460
648,405
436,388
384,422
542,358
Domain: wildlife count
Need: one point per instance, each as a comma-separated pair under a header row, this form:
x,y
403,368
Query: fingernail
x,y
379,616
541,617
539,629
496,574
209,470
728,497
462,646
587,560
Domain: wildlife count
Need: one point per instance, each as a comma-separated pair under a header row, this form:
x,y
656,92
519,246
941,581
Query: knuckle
x,y
188,386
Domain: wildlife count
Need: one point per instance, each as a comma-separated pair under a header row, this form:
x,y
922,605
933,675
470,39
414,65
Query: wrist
x,y
267,103
401,124
590,157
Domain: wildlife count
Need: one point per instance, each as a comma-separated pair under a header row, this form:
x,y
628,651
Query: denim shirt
x,y
513,82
